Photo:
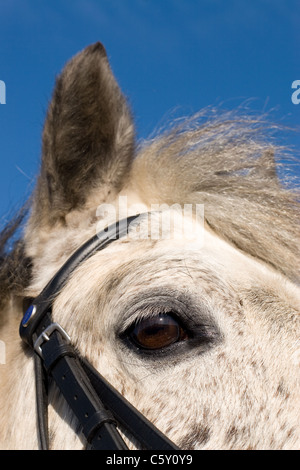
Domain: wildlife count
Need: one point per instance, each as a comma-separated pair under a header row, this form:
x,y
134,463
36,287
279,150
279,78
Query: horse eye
x,y
157,332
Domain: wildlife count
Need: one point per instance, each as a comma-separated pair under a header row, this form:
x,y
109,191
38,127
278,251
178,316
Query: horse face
x,y
199,337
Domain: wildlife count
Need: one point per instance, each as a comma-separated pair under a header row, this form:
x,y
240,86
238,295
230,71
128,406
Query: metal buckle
x,y
45,336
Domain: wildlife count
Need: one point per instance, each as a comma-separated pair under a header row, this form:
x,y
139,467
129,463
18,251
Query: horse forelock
x,y
230,163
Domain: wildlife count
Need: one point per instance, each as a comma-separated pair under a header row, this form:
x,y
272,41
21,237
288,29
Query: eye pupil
x,y
157,332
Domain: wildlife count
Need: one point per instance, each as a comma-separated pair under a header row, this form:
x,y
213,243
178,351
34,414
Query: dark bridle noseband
x,y
98,407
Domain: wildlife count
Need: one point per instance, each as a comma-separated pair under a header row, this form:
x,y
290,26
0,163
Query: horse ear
x,y
88,138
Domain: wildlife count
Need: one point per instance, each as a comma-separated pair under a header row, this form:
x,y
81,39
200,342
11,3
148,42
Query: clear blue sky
x,y
166,54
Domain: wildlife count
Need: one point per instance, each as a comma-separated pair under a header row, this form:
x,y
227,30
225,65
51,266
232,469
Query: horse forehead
x,y
210,261
165,241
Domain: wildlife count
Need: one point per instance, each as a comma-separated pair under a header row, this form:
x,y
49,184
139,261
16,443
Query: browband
x,y
41,304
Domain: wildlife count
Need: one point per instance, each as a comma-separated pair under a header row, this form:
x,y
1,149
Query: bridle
x,y
99,408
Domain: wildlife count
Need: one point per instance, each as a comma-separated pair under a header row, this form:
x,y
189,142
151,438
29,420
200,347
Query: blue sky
x,y
166,55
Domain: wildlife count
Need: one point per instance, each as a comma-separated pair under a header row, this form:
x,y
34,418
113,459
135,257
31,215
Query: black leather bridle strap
x,y
43,302
127,416
41,391
97,423
96,404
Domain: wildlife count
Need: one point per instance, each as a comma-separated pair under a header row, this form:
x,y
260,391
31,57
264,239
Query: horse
x,y
192,315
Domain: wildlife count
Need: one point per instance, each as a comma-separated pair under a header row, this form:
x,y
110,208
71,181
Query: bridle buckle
x,y
45,336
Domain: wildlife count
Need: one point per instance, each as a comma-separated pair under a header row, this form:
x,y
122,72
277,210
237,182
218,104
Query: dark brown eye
x,y
157,332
